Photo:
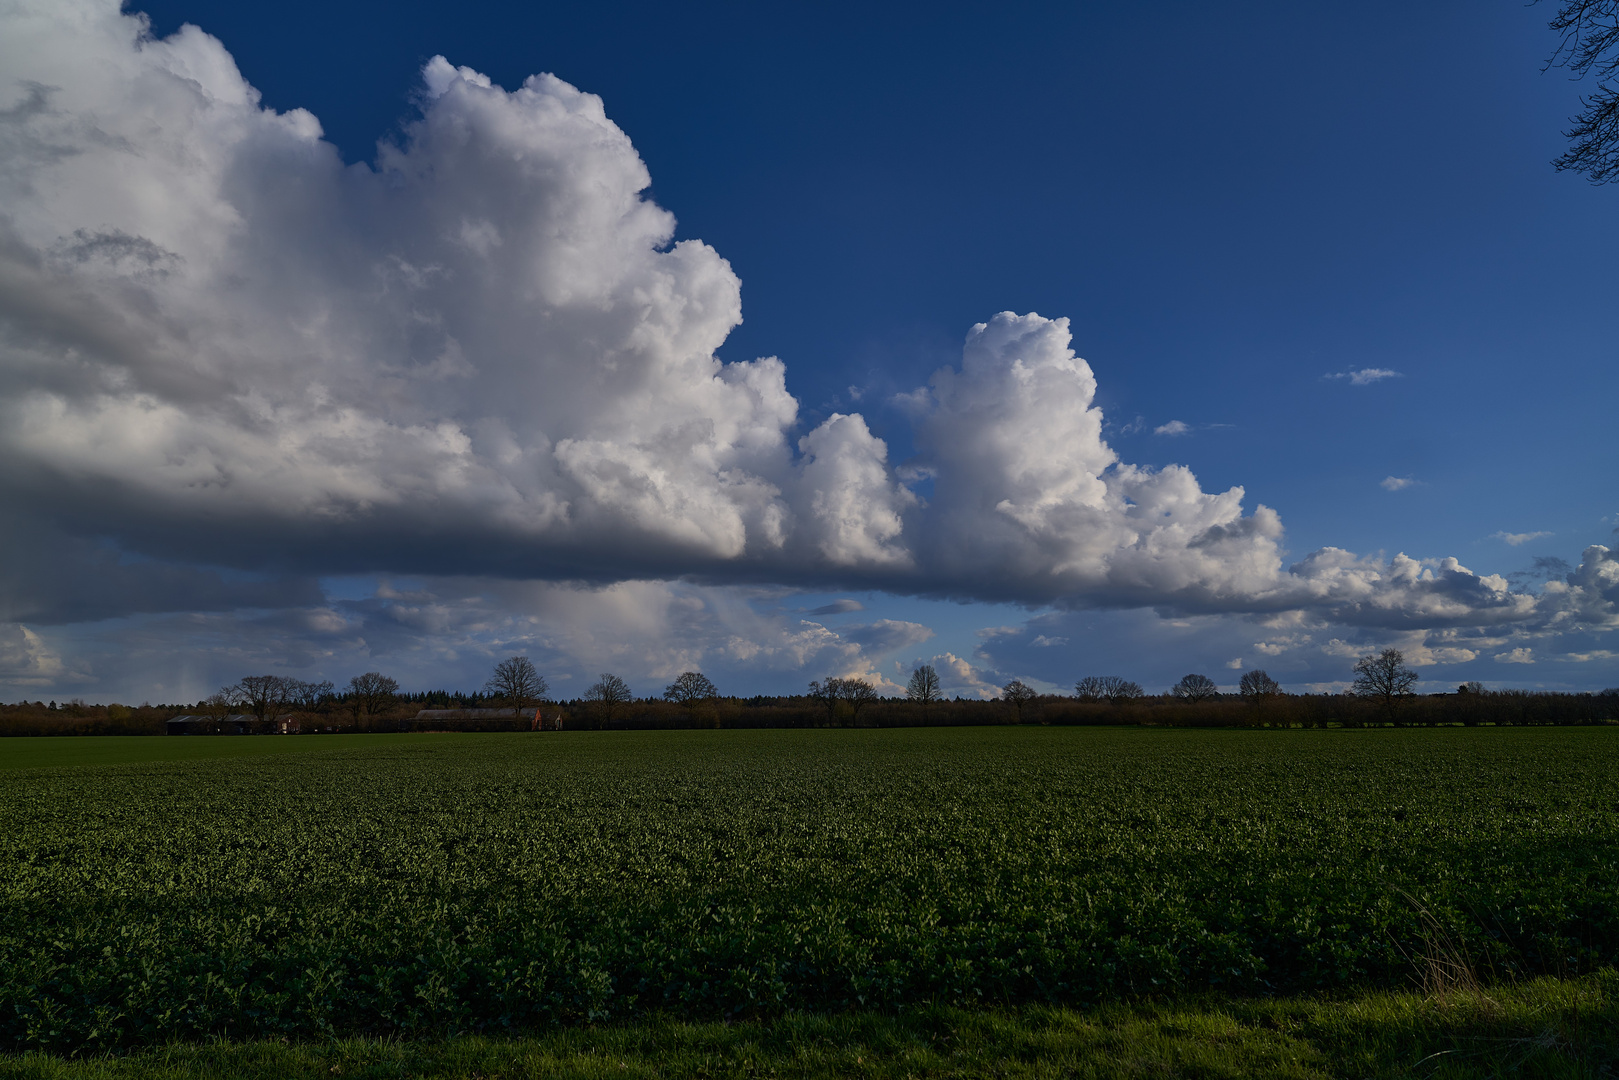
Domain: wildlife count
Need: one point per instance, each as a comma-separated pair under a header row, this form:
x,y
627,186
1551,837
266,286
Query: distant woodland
x,y
1281,710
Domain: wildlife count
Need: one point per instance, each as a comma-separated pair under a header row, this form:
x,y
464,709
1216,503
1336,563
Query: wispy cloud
x,y
1174,427
1365,376
838,607
1398,483
1519,539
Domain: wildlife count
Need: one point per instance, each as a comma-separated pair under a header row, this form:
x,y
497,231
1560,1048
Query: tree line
x,y
1383,694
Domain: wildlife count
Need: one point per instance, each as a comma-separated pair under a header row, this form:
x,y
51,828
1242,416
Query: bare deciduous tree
x,y
1019,693
923,686
219,704
690,689
516,682
1089,689
1111,688
828,693
307,695
1385,677
857,694
371,693
1121,690
1195,688
266,695
1590,45
609,694
1256,686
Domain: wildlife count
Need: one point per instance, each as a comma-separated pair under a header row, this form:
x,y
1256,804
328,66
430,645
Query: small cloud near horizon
x,y
1174,427
1365,376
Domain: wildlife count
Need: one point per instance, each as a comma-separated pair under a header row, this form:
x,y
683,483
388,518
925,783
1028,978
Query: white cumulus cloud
x,y
1519,539
215,331
958,677
488,355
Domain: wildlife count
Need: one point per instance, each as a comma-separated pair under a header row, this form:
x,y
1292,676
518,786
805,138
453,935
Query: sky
x,y
1030,341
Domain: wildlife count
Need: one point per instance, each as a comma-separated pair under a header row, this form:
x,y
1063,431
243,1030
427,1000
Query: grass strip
x,y
1542,1028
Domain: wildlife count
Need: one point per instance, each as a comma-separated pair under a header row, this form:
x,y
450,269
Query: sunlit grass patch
x,y
1545,1028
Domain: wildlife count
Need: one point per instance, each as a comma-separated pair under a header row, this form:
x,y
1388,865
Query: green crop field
x,y
429,885
51,752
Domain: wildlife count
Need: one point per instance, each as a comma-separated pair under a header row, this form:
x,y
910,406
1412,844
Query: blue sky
x,y
1235,209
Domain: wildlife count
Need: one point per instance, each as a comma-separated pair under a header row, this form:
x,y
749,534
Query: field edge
x,y
1543,1027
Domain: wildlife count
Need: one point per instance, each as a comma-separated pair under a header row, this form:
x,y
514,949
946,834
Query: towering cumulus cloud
x,y
485,354
488,335
1030,499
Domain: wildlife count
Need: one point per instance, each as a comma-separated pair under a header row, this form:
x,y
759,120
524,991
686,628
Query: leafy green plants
x,y
428,885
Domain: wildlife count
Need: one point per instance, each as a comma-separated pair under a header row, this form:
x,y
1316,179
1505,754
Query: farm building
x,y
235,724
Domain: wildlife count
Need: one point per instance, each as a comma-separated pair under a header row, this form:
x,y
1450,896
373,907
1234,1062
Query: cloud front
x,y
224,351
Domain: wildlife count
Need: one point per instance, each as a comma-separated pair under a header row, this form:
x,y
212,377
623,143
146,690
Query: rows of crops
x,y
428,884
